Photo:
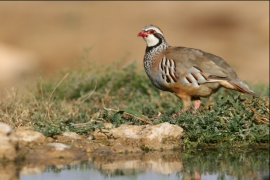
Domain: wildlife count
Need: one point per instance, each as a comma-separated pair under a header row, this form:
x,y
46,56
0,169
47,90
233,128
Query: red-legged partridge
x,y
188,73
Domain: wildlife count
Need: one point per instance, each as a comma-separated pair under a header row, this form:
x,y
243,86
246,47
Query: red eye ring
x,y
151,31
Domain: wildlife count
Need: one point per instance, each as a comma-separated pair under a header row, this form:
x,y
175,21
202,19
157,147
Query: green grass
x,y
83,99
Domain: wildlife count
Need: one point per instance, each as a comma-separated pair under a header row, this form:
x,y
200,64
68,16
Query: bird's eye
x,y
151,31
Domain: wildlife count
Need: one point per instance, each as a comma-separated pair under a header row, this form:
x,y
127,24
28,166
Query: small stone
x,y
72,135
90,137
5,129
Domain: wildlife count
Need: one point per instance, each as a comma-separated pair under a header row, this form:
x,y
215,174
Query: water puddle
x,y
207,164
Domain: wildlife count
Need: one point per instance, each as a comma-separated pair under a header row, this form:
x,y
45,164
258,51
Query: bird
x,y
189,73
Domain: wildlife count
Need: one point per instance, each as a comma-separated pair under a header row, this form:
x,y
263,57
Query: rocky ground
x,y
26,146
126,148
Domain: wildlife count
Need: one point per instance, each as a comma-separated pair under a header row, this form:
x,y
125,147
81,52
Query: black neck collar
x,y
160,40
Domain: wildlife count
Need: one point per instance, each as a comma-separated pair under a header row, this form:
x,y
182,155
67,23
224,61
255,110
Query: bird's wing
x,y
193,67
189,66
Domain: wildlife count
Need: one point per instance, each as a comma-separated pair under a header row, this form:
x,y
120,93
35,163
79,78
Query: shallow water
x,y
159,166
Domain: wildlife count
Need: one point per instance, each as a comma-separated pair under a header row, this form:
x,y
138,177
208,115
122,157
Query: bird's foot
x,y
196,105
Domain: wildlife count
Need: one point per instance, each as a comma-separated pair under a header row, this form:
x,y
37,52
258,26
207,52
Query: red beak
x,y
143,34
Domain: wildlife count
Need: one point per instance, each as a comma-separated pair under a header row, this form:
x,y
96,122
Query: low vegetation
x,y
83,99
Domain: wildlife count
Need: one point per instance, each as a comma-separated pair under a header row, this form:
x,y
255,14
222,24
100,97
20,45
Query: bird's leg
x,y
187,104
186,101
196,105
210,103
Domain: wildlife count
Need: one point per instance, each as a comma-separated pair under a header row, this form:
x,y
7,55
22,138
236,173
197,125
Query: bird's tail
x,y
242,87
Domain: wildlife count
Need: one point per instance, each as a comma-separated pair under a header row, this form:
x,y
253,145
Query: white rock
x,y
160,136
30,137
159,131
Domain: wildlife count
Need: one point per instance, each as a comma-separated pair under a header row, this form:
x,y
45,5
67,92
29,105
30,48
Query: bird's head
x,y
152,35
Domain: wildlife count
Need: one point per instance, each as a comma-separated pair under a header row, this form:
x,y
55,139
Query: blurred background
x,y
39,38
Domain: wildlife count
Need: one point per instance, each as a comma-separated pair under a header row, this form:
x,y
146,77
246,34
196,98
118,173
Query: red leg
x,y
197,104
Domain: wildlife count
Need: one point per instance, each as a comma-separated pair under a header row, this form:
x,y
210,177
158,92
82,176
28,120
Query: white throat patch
x,y
151,40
